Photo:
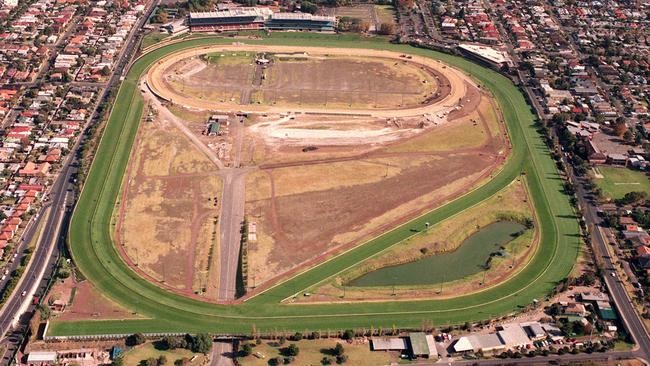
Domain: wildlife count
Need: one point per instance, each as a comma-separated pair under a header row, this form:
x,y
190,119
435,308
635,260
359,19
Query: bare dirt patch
x,y
88,304
170,209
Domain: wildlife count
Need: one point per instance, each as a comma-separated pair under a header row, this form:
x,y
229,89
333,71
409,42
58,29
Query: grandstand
x,y
252,18
229,20
301,21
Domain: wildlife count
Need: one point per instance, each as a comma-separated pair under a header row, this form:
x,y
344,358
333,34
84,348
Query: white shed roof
x,y
463,345
513,335
41,356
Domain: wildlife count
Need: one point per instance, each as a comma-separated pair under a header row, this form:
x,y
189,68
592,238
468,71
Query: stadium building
x,y
259,18
301,22
229,20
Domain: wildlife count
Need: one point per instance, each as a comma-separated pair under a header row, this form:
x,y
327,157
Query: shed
x,y
431,342
463,345
388,344
419,345
213,128
513,336
41,358
487,342
534,330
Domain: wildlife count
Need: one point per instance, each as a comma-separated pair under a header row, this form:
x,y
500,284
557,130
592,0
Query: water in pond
x,y
467,260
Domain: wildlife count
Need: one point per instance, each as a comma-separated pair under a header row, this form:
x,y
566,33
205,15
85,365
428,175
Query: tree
x,y
633,198
201,343
151,362
162,360
587,279
348,334
628,136
169,342
297,337
118,361
341,359
309,7
620,127
326,361
160,17
246,350
105,71
135,339
292,350
386,29
338,349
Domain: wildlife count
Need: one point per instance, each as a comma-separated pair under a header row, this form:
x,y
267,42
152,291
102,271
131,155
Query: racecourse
x,y
94,253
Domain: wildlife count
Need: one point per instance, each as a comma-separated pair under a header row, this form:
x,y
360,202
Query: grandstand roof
x,y
233,13
302,16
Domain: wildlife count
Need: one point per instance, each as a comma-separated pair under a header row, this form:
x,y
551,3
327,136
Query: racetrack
x,y
96,256
156,80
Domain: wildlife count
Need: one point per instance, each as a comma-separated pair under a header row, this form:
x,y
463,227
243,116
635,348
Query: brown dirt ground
x,y
314,204
358,83
169,211
317,206
88,304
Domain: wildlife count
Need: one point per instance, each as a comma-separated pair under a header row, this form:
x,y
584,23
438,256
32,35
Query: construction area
x,y
253,159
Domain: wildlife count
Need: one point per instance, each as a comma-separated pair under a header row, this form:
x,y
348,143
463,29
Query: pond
x,y
468,259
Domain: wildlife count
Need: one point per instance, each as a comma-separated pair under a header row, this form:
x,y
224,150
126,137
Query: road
x,y
221,354
626,310
43,262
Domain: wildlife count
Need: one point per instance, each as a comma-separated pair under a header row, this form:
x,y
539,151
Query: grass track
x,y
96,256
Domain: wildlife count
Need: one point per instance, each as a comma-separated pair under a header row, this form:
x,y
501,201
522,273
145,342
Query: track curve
x,y
97,258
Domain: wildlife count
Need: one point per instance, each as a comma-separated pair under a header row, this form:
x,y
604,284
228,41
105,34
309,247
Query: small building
x,y
617,159
534,330
513,336
479,342
575,309
605,310
39,358
420,346
388,344
213,128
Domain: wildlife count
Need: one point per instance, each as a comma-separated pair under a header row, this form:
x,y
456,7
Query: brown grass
x,y
512,202
170,208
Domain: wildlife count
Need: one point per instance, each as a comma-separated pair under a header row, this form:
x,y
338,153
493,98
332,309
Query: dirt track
x,y
456,79
315,224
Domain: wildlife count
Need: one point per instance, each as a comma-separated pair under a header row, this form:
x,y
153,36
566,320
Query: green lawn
x,y
95,255
137,354
616,182
313,351
153,38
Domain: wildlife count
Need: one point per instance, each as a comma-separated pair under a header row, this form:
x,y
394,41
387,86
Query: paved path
x,y
222,354
232,199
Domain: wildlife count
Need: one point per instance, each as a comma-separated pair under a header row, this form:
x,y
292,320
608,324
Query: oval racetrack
x,y
95,254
